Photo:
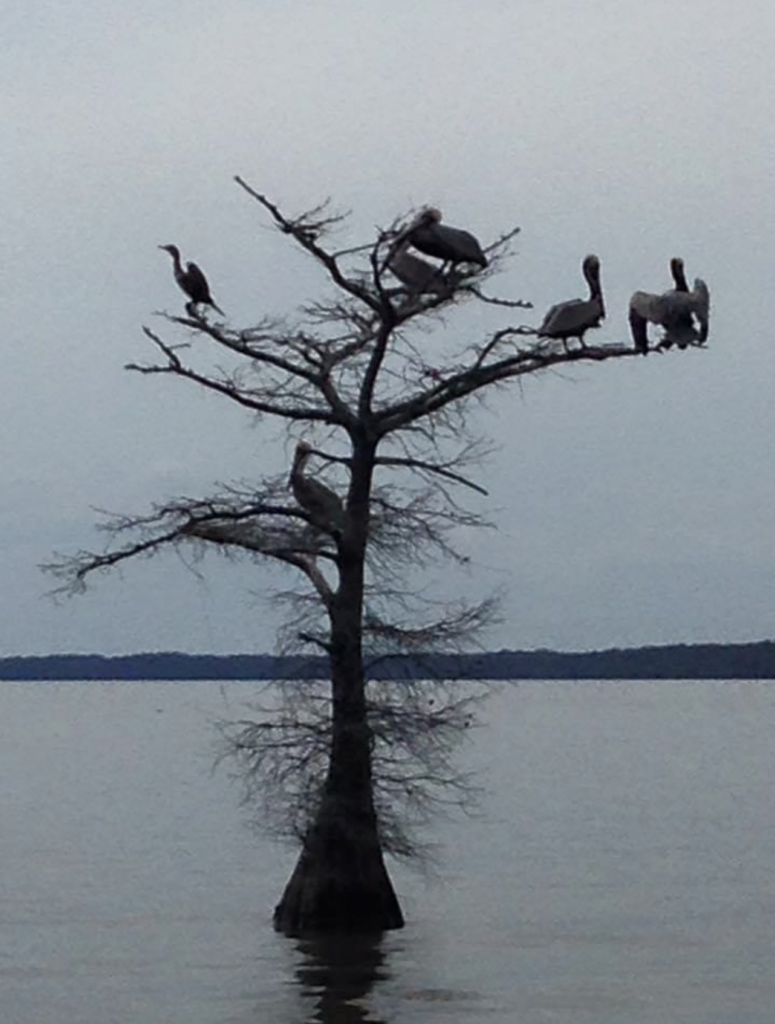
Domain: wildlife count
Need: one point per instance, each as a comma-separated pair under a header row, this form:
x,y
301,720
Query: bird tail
x,y
217,308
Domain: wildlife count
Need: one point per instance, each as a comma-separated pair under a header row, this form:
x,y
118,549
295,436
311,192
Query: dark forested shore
x,y
675,661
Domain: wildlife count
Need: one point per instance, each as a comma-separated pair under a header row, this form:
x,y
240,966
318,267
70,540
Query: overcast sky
x,y
635,500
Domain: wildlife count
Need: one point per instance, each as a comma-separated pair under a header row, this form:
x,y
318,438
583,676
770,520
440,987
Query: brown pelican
x,y
690,320
429,235
684,314
418,275
191,281
645,306
323,505
574,318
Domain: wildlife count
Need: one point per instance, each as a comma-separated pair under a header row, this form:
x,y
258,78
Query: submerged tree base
x,y
339,884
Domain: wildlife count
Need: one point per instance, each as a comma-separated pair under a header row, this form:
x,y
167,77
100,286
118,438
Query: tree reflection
x,y
337,973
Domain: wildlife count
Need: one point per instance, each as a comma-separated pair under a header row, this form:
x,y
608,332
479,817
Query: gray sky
x,y
634,500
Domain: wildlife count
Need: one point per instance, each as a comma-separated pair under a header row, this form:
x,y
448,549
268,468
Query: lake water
x,y
621,869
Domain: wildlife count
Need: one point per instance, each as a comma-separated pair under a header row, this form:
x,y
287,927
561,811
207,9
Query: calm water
x,y
621,870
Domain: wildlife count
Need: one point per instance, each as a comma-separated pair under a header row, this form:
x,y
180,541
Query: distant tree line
x,y
675,661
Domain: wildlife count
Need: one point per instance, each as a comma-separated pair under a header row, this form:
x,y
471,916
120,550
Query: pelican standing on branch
x,y
323,505
572,319
453,245
191,281
684,314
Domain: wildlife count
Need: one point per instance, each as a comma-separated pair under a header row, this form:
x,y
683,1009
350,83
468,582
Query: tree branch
x,y
250,399
430,467
218,521
401,414
305,230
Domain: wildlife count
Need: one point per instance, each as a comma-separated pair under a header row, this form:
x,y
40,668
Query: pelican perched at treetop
x,y
453,245
323,505
572,319
684,314
191,281
417,275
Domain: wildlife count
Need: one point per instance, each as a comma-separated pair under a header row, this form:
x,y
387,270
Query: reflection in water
x,y
337,973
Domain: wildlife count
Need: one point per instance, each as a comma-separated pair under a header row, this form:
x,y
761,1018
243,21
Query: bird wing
x,y
464,243
566,316
639,329
671,309
702,307
199,288
321,502
428,240
447,243
551,313
645,305
416,274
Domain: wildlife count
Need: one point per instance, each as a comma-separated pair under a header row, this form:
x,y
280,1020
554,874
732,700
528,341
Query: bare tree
x,y
385,455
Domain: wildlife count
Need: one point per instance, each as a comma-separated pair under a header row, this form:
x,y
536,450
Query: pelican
x,y
191,281
324,505
430,236
659,309
418,275
692,317
683,313
574,318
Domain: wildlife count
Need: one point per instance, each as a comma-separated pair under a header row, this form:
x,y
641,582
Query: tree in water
x,y
389,433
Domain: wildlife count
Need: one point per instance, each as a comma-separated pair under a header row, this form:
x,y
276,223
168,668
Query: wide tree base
x,y
338,886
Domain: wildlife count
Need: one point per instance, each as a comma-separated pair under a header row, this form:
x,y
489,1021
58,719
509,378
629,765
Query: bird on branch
x,y
417,275
684,314
191,282
572,319
694,329
453,245
323,505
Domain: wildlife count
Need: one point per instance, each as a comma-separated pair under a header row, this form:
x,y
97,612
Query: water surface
x,y
620,868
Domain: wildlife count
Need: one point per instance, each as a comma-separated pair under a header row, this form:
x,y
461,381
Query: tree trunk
x,y
340,882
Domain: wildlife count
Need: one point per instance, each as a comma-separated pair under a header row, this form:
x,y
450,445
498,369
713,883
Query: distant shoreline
x,y
674,661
